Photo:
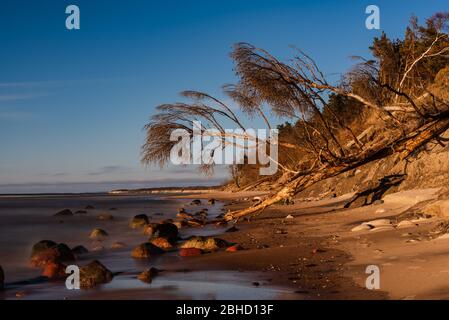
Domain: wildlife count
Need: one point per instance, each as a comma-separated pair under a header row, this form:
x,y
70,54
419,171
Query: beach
x,y
305,250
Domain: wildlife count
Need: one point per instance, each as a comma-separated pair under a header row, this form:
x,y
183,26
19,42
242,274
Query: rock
x,y
190,252
89,207
184,215
145,251
118,245
81,212
94,274
2,278
139,221
64,213
105,217
98,234
54,270
166,230
378,202
379,223
78,250
204,243
289,217
362,227
57,254
162,243
234,248
150,229
148,275
405,224
182,210
257,199
42,246
195,202
211,201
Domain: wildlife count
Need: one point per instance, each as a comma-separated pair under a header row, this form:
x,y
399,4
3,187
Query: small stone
x,y
148,275
139,221
234,248
195,202
289,217
64,213
162,243
211,201
145,251
94,274
204,243
98,234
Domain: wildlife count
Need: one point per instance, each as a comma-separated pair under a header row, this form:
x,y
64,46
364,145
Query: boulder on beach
x,y
54,270
204,243
98,234
42,246
145,251
139,221
166,230
162,243
184,215
190,252
64,213
2,278
78,250
211,201
148,275
195,202
57,254
93,274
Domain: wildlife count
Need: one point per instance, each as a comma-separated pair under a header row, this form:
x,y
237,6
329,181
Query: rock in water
x,y
2,278
57,254
64,213
145,251
204,243
98,234
195,202
211,201
166,230
190,252
139,221
148,275
54,270
42,246
93,274
150,229
162,243
78,250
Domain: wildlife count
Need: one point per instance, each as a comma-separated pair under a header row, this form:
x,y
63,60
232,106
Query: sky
x,y
73,103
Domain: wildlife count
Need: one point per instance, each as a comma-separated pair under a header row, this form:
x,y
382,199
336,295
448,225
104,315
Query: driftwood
x,y
404,146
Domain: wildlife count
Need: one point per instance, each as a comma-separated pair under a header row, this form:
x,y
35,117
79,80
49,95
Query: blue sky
x,y
73,103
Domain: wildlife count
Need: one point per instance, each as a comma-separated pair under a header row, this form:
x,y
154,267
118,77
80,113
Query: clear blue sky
x,y
73,103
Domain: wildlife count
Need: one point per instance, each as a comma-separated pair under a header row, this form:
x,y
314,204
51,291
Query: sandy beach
x,y
312,254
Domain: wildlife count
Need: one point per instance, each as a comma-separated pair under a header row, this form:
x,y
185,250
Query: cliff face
x,y
428,169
